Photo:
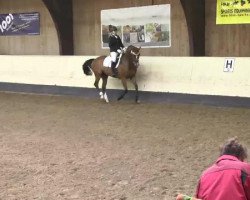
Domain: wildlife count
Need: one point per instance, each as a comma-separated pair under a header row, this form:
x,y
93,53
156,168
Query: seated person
x,y
228,178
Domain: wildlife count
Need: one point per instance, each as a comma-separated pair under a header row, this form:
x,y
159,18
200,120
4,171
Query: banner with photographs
x,y
233,12
20,24
146,26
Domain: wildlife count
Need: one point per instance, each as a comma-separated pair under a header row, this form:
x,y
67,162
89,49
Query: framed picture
x,y
146,26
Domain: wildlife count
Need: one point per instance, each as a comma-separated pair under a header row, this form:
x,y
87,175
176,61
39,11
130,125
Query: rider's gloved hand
x,y
119,50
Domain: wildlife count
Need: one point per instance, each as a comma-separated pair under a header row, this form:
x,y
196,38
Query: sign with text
x,y
20,24
233,12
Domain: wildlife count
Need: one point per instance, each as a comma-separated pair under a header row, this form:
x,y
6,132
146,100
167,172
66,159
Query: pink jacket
x,y
227,179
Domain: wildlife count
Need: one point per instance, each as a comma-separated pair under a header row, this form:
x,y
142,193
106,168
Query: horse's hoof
x,y
138,101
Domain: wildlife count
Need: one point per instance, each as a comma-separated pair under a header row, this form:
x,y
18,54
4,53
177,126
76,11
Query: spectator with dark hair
x,y
228,178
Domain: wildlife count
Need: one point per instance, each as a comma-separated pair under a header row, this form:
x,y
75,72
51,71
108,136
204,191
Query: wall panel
x,y
221,40
87,29
44,44
225,40
184,75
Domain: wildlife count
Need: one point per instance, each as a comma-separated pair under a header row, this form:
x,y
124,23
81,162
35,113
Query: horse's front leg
x,y
133,80
104,84
124,83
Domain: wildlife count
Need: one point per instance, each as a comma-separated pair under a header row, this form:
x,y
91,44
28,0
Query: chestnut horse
x,y
127,69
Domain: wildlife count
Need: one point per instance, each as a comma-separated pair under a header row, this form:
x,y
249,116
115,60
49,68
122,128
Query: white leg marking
x,y
101,95
106,97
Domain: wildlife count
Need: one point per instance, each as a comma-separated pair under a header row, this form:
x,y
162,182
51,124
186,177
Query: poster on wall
x,y
20,24
233,12
146,26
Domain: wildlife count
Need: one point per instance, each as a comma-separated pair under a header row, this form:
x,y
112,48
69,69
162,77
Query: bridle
x,y
137,55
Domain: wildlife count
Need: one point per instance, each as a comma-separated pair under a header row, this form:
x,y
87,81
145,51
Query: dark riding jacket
x,y
115,43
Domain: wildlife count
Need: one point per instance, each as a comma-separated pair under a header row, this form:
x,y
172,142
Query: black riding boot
x,y
114,69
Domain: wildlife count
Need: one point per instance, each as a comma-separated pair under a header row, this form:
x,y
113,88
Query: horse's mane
x,y
129,48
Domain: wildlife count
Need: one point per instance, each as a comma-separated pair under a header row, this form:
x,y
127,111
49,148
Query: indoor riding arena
x,y
61,140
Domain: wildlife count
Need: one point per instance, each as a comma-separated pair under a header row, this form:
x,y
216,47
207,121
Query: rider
x,y
115,45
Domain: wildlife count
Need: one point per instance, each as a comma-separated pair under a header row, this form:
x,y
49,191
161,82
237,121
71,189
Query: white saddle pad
x,y
107,62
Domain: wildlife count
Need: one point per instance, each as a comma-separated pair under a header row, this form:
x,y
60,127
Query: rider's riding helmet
x,y
112,28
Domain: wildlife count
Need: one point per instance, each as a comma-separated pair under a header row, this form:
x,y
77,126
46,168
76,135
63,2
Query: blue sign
x,y
20,24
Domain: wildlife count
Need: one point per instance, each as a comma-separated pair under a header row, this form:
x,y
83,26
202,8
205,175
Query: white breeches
x,y
113,56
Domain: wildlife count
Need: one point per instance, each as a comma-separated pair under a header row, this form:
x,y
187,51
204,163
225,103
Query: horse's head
x,y
134,54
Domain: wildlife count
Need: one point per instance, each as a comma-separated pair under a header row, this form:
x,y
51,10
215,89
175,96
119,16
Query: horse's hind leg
x,y
104,84
136,89
96,84
124,83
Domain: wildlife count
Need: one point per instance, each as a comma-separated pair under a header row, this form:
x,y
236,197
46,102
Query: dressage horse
x,y
127,69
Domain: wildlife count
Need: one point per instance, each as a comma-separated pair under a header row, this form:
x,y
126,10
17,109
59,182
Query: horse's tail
x,y
86,67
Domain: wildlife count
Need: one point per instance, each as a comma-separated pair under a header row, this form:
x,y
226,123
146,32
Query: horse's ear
x,y
139,48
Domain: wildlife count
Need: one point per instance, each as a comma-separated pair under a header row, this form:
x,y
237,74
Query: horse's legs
x,y
104,83
124,83
136,89
96,84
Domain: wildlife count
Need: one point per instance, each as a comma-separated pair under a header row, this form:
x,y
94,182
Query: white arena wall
x,y
182,75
